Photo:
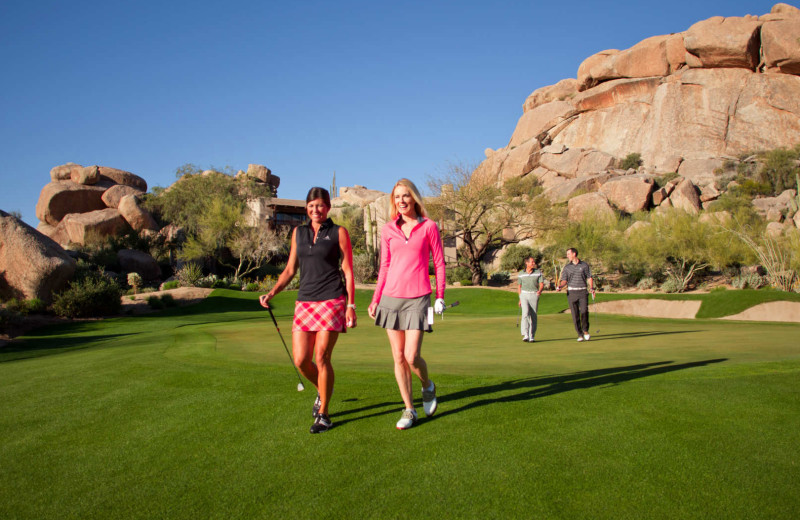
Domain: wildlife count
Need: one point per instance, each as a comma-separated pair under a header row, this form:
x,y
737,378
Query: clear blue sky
x,y
372,90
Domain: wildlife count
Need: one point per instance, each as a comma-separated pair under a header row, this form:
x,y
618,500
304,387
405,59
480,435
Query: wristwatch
x,y
351,306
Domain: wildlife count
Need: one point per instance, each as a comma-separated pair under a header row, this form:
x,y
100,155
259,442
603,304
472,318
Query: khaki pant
x,y
529,302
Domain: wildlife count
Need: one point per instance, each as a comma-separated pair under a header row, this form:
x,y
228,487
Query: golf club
x,y
300,386
454,304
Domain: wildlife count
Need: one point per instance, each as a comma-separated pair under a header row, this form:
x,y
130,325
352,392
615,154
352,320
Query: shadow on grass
x,y
27,348
625,335
537,387
531,388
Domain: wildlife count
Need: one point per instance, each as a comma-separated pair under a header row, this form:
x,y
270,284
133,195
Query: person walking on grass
x,y
403,293
325,305
531,284
577,277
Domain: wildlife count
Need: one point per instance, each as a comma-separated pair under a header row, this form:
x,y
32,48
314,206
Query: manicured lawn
x,y
193,413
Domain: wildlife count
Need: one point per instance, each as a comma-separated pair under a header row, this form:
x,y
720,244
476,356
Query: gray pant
x,y
579,307
529,301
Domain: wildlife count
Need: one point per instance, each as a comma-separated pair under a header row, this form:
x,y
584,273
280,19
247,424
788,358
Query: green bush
x,y
671,285
646,283
25,307
514,256
458,273
465,282
155,302
632,160
172,284
95,295
780,168
499,278
252,287
168,300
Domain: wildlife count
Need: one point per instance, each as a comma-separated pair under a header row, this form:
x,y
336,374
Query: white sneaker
x,y
407,420
429,402
580,338
586,336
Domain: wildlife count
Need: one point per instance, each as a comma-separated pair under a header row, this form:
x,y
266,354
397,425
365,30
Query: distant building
x,y
278,214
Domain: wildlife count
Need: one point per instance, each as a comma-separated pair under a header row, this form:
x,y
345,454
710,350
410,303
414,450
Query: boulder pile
x,y
692,103
92,201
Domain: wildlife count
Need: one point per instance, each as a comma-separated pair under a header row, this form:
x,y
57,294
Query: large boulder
x,y
645,59
779,45
122,177
137,217
87,175
541,118
630,193
31,264
563,191
114,194
134,261
64,171
564,89
588,205
60,198
725,42
264,174
356,196
94,225
685,197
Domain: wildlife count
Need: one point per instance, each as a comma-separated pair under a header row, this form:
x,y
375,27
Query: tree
x,y
677,243
211,209
484,215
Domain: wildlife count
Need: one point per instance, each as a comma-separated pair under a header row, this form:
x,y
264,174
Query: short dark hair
x,y
574,251
319,193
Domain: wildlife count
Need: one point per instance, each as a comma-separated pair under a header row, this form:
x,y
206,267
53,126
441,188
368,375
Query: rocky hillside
x,y
689,102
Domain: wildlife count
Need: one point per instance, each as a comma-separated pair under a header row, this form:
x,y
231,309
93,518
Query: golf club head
x,y
300,387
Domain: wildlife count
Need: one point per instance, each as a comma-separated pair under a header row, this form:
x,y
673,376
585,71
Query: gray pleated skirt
x,y
403,313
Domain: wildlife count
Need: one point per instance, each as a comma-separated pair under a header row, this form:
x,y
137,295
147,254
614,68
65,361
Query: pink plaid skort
x,y
316,316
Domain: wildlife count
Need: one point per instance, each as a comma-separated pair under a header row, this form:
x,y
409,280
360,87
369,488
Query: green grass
x,y
192,413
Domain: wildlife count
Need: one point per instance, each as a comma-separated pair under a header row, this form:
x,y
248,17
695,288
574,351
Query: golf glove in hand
x,y
438,306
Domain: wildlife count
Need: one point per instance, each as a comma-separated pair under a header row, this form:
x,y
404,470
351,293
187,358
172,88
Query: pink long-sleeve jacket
x,y
404,262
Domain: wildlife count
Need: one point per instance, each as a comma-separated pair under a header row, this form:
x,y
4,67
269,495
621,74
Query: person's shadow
x,y
529,388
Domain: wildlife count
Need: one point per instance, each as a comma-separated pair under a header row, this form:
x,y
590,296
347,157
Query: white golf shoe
x,y
586,336
407,420
429,403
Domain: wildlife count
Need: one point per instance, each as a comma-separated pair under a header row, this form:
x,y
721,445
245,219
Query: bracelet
x,y
351,306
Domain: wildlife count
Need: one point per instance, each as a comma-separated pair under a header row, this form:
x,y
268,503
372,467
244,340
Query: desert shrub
x,y
465,282
499,278
513,258
294,284
363,267
209,281
780,168
267,283
672,285
135,281
646,283
155,302
9,319
94,295
458,274
662,180
252,287
172,284
190,274
747,280
168,300
632,160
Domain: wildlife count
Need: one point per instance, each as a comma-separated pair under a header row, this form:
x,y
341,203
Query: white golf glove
x,y
438,306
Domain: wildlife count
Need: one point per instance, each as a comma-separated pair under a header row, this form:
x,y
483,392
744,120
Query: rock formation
x,y
82,202
31,264
687,103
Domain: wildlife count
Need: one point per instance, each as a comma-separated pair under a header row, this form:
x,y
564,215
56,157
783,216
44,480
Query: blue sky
x,y
372,90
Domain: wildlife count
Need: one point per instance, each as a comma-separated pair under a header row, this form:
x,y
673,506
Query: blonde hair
x,y
419,207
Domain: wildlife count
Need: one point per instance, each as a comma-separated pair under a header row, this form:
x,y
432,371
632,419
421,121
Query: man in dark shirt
x,y
577,277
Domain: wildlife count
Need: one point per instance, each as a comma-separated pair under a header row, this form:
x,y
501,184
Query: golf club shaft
x,y
284,344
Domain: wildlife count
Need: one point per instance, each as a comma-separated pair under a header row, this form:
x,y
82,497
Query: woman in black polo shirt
x,y
325,305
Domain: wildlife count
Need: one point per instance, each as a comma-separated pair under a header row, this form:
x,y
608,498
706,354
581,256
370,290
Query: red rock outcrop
x,y
31,264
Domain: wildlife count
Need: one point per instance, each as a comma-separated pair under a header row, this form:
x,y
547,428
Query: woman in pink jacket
x,y
403,293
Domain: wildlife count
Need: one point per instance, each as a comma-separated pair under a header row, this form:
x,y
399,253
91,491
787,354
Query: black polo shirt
x,y
320,276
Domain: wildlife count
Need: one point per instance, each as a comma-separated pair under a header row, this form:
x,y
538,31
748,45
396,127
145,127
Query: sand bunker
x,y
770,311
650,308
